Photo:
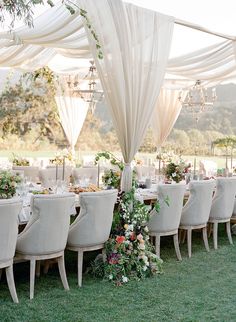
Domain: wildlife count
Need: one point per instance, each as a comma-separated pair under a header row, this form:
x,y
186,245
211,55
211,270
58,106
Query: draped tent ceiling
x,y
135,43
64,35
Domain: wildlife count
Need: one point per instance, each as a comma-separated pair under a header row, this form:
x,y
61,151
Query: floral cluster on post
x,y
8,184
60,157
129,253
176,168
20,161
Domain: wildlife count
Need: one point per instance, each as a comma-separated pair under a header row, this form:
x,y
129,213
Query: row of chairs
x,y
46,175
200,211
49,232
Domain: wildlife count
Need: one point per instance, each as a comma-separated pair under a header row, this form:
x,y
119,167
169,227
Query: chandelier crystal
x,y
198,99
87,88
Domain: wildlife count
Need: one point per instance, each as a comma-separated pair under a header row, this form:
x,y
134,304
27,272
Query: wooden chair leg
x,y
32,277
228,229
62,271
209,229
46,266
215,233
176,244
189,237
205,239
157,245
80,267
11,283
38,265
184,236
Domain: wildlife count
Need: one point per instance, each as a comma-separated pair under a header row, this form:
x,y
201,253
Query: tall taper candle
x,y
63,169
194,166
98,174
56,172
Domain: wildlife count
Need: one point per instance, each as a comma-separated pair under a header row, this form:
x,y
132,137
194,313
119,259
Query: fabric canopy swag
x,y
135,43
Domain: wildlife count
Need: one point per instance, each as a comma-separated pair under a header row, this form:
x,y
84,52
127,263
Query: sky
x,y
216,15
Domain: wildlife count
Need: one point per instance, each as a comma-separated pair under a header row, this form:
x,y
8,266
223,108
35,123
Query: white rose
x,y
124,279
144,268
110,277
173,174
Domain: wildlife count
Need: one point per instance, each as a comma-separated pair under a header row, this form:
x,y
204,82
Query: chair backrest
x,y
29,171
168,218
93,225
86,173
47,229
234,210
143,171
223,201
9,211
47,175
197,209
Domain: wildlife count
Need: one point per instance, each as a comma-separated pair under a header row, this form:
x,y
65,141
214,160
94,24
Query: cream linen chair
x,y
92,227
222,206
196,211
46,233
143,171
166,222
9,211
90,173
46,175
233,218
29,171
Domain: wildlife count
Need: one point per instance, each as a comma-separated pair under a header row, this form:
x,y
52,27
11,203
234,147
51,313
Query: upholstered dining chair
x,y
45,235
9,211
90,173
143,171
233,218
222,206
92,227
29,171
196,211
49,174
166,222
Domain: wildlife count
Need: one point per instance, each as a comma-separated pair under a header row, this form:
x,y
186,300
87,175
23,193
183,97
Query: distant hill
x,y
222,118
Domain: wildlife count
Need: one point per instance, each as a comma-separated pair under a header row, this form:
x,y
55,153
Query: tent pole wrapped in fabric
x,y
132,70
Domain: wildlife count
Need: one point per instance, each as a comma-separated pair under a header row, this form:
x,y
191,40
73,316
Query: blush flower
x,y
120,239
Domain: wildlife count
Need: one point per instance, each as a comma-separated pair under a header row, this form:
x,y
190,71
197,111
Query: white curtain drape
x,y
135,44
72,112
165,114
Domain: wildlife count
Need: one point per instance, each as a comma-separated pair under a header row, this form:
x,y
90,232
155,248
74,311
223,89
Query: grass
x,y
198,289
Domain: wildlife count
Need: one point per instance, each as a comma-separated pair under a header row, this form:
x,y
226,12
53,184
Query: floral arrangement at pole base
x,y
8,184
111,177
20,161
129,253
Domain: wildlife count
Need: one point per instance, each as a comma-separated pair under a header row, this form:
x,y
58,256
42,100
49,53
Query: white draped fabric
x,y
56,31
136,51
64,33
214,63
72,112
165,114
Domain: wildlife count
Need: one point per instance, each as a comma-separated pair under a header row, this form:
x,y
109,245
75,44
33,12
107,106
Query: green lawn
x,y
202,288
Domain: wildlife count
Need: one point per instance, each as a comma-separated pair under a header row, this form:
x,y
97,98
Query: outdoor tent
x,y
135,43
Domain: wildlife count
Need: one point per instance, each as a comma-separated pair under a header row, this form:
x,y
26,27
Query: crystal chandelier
x,y
198,99
87,88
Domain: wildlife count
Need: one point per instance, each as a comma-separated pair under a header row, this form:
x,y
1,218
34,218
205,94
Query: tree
x,y
31,110
226,143
179,140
